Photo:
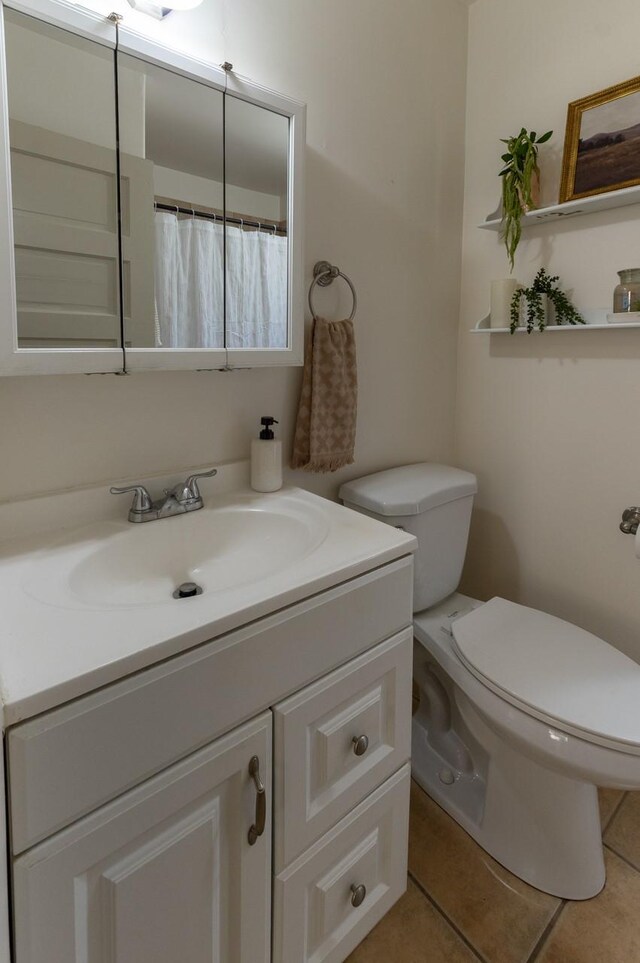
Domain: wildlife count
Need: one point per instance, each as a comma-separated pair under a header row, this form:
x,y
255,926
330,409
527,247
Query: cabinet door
x,y
164,873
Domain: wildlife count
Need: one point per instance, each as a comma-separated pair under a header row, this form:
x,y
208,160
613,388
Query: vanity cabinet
x,y
163,873
131,808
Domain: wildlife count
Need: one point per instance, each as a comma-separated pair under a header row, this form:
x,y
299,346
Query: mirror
x,y
206,177
172,167
156,205
256,184
64,190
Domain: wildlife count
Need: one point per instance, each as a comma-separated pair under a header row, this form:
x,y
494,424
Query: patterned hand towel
x,y
326,427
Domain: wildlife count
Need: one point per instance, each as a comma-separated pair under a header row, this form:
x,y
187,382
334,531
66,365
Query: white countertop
x,y
51,652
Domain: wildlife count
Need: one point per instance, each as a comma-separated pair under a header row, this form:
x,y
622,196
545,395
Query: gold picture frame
x,y
598,156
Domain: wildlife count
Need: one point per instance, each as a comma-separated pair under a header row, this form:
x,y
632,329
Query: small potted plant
x,y
542,291
520,184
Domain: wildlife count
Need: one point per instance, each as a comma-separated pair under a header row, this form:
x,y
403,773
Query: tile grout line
x,y
446,918
623,858
610,846
552,922
535,953
614,813
546,933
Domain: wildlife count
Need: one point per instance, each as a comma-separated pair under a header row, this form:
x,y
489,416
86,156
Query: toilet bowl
x,y
521,715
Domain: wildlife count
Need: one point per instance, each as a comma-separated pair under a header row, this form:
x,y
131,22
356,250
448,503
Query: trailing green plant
x,y
520,164
543,283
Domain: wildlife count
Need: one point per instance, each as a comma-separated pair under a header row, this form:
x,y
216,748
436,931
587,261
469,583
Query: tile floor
x,y
463,907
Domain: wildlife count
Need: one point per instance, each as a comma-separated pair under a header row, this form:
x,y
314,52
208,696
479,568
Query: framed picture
x,y
602,142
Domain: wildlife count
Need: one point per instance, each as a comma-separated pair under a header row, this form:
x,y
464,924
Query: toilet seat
x,y
553,671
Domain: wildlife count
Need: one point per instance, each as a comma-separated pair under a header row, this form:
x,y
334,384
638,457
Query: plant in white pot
x,y
543,291
520,184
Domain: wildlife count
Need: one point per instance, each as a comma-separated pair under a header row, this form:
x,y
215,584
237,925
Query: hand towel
x,y
325,432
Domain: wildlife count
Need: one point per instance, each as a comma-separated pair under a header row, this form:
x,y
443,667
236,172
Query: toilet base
x,y
540,825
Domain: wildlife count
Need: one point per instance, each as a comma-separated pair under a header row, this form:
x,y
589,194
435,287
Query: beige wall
x,y
384,186
549,422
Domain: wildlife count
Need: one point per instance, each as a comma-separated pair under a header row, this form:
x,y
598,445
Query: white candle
x,y
501,293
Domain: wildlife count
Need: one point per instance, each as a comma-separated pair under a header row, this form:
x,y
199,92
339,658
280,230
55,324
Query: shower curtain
x,y
189,285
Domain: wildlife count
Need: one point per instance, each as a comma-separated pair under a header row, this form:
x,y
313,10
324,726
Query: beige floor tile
x,y
603,929
623,833
501,916
413,932
608,799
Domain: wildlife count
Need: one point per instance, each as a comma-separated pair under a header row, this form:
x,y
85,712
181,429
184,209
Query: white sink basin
x,y
86,605
219,549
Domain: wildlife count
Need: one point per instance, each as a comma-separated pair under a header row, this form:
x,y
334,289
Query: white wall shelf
x,y
585,205
596,319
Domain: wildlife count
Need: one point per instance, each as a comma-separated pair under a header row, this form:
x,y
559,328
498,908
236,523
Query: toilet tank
x,y
432,502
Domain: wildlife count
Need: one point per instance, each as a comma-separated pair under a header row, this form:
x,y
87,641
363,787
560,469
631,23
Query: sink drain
x,y
187,590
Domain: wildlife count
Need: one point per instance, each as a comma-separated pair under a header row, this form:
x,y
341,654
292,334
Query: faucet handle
x,y
141,500
191,484
630,520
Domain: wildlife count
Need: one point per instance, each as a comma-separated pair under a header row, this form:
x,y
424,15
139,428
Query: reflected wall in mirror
x,y
256,184
172,167
63,175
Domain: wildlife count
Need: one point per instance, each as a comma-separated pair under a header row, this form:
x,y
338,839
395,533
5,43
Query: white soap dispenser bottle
x,y
266,459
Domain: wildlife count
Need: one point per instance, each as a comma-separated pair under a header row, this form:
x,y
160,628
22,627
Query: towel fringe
x,y
322,465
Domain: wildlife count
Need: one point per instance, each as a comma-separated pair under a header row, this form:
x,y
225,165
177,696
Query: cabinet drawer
x,y
68,762
314,919
321,774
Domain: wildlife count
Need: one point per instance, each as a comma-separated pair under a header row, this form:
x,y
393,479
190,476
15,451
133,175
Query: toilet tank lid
x,y
409,489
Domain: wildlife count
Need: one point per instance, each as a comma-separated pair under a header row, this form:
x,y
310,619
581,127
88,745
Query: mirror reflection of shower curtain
x,y
256,289
189,282
189,285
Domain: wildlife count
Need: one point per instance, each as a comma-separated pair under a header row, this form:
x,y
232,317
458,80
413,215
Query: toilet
x,y
521,715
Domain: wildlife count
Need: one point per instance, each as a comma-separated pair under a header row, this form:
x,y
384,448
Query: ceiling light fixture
x,y
159,11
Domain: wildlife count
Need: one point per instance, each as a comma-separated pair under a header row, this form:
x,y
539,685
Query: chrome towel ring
x,y
325,274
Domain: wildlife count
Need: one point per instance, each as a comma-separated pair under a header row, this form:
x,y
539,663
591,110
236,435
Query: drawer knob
x,y
358,894
360,746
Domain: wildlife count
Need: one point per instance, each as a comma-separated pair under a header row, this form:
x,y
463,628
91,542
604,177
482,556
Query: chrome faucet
x,y
184,497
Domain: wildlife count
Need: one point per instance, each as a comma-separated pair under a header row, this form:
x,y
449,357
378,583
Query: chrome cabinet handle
x,y
261,801
358,894
141,499
360,745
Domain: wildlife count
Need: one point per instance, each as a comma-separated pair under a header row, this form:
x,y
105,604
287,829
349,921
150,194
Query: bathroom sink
x,y
91,600
218,548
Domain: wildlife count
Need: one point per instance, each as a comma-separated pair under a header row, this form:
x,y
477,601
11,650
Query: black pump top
x,y
266,434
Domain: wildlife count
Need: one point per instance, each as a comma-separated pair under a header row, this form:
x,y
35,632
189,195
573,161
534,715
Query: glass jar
x,y
626,295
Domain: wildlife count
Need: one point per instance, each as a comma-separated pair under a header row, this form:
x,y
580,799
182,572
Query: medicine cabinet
x,y
154,204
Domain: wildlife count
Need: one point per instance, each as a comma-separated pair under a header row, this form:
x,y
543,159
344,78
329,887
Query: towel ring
x,y
325,274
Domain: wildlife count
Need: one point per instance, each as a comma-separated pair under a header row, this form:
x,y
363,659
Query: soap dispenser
x,y
266,459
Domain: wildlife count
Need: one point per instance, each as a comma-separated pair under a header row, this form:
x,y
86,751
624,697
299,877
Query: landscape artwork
x,y
602,142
